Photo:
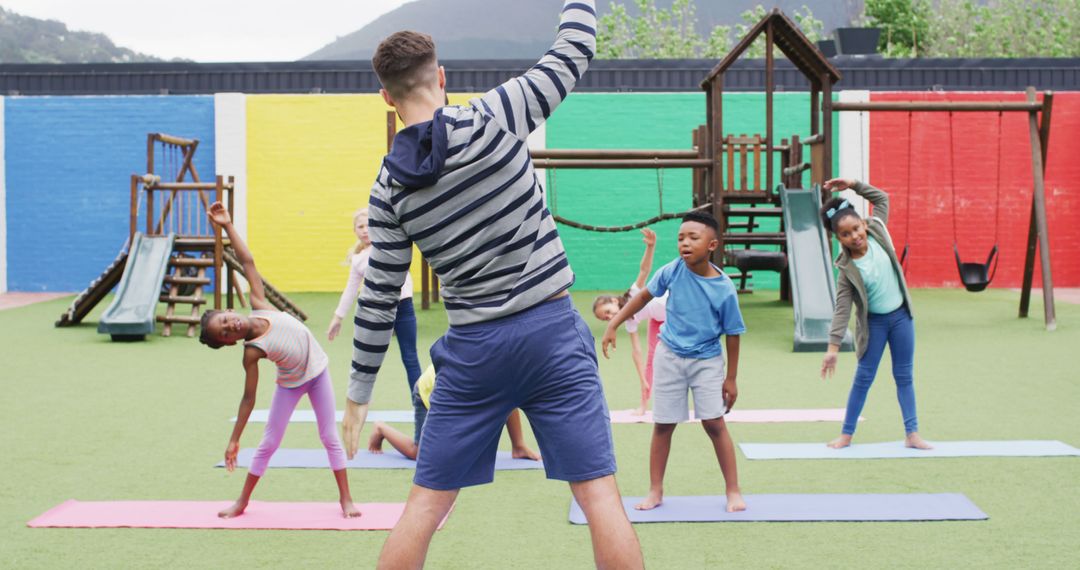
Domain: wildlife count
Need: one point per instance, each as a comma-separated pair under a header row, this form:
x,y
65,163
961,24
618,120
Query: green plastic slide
x,y
131,316
813,288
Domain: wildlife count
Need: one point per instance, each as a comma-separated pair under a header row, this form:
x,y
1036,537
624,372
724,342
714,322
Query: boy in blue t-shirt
x,y
702,305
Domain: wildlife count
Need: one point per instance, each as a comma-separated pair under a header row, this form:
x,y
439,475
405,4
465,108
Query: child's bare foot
x,y
843,441
524,453
234,511
735,502
914,441
348,509
374,444
654,500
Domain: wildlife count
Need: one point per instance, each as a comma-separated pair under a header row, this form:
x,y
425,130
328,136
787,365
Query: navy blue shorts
x,y
542,360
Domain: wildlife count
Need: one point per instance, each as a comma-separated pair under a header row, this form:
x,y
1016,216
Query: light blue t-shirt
x,y
699,310
879,277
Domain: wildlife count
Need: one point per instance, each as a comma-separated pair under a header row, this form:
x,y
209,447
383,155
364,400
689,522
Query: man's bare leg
x,y
615,544
407,546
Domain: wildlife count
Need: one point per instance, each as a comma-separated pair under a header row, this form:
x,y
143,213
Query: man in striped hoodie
x,y
459,184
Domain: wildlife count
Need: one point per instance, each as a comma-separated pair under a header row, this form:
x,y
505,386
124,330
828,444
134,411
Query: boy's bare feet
x,y
735,502
234,511
914,441
843,441
375,443
524,453
655,499
348,509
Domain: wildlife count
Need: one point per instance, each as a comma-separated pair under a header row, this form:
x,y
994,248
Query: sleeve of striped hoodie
x,y
388,266
524,102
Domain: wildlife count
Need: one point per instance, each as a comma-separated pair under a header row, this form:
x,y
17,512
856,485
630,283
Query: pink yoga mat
x,y
746,416
203,514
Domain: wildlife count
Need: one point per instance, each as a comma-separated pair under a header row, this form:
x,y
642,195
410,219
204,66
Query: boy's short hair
x,y
703,218
401,61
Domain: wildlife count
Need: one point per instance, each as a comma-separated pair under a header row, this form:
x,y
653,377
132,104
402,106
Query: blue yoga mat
x,y
804,508
308,416
896,450
389,459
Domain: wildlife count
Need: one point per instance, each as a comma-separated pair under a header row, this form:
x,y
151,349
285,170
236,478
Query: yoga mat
x,y
203,514
896,450
308,416
746,416
389,459
804,508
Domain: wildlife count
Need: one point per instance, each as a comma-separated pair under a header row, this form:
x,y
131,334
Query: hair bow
x,y
832,211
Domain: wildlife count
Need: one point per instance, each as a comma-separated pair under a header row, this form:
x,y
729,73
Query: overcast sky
x,y
213,30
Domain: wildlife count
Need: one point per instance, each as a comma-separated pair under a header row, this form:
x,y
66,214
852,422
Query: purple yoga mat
x,y
389,459
804,508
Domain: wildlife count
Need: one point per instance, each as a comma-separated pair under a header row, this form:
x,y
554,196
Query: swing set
x,y
977,275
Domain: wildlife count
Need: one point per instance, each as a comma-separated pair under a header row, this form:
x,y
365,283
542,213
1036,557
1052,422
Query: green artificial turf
x,y
85,418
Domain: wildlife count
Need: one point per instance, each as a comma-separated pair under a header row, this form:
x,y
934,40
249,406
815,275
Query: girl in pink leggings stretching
x,y
301,369
607,306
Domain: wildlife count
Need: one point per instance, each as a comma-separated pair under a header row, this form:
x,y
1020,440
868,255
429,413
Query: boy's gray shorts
x,y
674,375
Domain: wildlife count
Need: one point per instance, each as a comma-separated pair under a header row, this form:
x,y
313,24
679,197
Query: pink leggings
x,y
654,336
321,393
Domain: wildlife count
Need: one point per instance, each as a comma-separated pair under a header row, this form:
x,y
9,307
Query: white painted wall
x,y
855,145
230,152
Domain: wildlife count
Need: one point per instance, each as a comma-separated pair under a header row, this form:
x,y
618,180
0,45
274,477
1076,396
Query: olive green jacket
x,y
850,289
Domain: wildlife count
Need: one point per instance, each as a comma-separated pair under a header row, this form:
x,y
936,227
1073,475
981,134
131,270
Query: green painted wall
x,y
607,261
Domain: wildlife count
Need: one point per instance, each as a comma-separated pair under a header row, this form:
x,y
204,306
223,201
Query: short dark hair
x,y
401,59
204,335
837,209
703,218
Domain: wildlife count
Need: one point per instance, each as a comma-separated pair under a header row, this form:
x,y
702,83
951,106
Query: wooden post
x,y
715,113
1039,149
218,247
1032,242
149,209
815,110
770,86
230,277
134,214
826,129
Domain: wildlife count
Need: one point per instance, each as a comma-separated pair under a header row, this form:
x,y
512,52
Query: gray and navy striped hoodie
x,y
462,188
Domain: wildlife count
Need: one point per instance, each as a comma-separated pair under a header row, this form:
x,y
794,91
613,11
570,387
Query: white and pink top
x,y
357,266
655,310
291,346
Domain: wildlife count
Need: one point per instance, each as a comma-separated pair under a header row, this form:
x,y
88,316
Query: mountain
x,y
30,40
513,29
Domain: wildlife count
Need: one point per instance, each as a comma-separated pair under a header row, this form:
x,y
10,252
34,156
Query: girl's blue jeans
x,y
405,330
897,329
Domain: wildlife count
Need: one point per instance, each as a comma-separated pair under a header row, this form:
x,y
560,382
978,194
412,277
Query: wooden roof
x,y
791,42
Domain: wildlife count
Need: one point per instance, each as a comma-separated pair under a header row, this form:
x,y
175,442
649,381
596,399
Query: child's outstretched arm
x,y
220,216
649,237
841,318
247,403
631,308
524,102
878,198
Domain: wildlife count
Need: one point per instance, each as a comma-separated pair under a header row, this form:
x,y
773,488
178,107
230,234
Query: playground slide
x,y
813,289
131,316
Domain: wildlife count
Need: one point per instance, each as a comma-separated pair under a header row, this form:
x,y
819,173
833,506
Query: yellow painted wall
x,y
311,162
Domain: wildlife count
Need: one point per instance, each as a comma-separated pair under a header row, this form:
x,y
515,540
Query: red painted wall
x,y
923,175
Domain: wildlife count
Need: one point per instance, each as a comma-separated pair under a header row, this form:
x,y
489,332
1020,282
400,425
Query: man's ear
x,y
442,78
386,97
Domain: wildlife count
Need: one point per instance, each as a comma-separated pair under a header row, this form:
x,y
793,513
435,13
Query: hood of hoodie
x,y
419,152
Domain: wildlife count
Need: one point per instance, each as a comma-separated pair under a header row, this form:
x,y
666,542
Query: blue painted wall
x,y
69,160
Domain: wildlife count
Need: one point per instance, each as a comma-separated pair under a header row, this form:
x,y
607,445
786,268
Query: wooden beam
x,y
770,86
1040,141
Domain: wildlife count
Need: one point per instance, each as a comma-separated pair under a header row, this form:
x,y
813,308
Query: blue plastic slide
x,y
131,316
813,289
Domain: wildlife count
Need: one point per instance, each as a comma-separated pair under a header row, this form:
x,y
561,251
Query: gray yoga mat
x,y
896,450
389,459
308,416
804,508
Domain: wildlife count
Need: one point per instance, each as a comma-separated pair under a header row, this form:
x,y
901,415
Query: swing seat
x,y
976,276
757,260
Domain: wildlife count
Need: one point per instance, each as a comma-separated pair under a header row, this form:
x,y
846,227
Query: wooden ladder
x,y
175,280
